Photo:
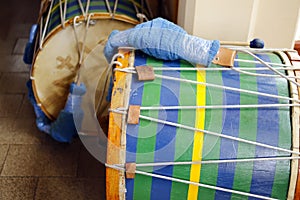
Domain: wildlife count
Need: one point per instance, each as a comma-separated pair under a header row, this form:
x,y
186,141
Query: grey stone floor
x,y
33,165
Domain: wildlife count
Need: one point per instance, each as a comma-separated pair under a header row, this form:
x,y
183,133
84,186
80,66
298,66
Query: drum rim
x,y
294,164
96,16
119,178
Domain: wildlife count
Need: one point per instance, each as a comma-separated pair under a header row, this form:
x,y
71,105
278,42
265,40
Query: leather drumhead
x,y
56,65
95,76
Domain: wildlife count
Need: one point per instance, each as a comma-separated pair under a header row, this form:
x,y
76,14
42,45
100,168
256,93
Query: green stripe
x,y
248,129
184,147
147,134
211,144
282,174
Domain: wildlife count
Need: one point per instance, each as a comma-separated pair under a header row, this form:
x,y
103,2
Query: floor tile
x,y
22,131
88,166
41,160
25,131
6,127
19,30
70,189
7,124
3,153
14,83
10,104
13,63
6,45
20,46
26,110
17,188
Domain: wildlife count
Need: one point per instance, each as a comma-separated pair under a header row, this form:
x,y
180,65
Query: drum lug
x,y
225,57
76,22
130,170
133,114
93,22
145,73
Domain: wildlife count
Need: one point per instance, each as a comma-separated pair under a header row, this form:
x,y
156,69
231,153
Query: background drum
x,y
68,31
211,133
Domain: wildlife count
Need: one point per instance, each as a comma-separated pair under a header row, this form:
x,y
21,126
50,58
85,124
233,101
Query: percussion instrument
x,y
68,31
182,132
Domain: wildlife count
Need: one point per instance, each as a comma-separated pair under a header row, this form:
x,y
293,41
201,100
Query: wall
x,y
277,22
274,21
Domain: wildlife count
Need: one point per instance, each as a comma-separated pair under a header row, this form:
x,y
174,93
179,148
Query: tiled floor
x,y
32,165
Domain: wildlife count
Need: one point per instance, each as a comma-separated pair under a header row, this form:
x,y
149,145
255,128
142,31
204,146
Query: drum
x,y
182,132
69,30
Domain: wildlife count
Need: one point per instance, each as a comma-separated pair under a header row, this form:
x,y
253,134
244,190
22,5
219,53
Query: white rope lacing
x,y
81,7
210,133
108,71
43,34
270,67
127,70
115,8
191,183
257,62
108,8
170,68
218,107
63,12
207,162
241,71
82,49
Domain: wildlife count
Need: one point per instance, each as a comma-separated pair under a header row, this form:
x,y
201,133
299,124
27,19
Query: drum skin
x,y
55,66
93,73
156,142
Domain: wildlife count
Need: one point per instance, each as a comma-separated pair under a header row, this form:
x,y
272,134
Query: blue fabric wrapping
x,y
163,40
74,100
63,129
43,123
29,48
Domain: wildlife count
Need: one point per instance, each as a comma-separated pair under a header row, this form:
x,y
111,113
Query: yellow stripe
x,y
198,137
55,6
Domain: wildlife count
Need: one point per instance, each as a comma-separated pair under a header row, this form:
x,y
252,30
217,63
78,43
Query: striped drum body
x,y
203,134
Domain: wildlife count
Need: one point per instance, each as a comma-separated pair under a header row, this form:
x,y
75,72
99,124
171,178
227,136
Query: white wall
x,y
277,22
274,21
186,14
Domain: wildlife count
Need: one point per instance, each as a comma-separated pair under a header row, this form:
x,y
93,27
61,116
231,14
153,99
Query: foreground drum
x,y
69,30
182,132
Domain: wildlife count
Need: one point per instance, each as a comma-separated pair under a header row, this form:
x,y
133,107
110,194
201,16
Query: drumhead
x,y
56,65
95,76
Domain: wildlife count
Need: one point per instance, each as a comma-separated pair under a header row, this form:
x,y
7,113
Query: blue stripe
x,y
136,94
228,148
267,133
166,135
